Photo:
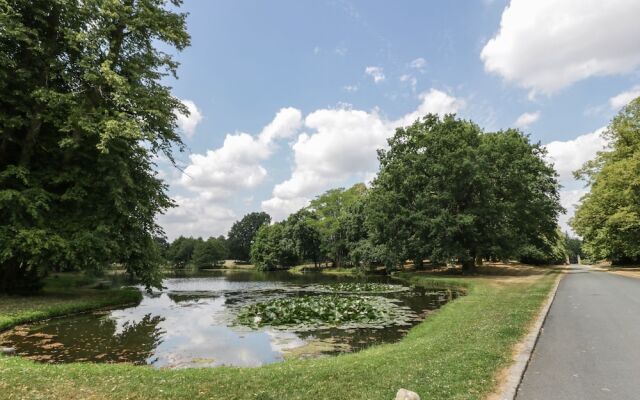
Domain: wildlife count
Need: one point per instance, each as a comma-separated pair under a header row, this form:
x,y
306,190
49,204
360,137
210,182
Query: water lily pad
x,y
359,287
324,311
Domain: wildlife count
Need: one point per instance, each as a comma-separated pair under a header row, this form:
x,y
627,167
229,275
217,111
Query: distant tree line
x,y
198,253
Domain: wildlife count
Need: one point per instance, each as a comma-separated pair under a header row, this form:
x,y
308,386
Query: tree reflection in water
x,y
74,338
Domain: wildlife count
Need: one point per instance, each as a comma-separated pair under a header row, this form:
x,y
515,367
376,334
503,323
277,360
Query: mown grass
x,y
62,294
455,354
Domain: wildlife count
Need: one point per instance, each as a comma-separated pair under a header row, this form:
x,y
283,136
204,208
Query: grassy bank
x,y
62,294
455,354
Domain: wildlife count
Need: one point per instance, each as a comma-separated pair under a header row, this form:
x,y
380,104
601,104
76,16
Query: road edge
x,y
524,350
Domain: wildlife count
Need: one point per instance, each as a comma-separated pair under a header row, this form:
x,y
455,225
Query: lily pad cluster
x,y
325,311
360,287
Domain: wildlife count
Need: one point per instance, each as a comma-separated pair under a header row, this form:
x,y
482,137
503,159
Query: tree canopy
x,y
208,253
608,217
243,232
448,191
331,210
83,114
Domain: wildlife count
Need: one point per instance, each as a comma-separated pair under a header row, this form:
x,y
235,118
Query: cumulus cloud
x,y
197,216
527,119
434,101
568,156
569,200
377,73
546,45
341,144
188,123
218,175
620,100
236,165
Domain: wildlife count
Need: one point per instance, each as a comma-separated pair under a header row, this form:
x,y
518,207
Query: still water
x,y
192,323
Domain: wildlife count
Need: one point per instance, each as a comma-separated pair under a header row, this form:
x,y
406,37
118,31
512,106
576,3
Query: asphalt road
x,y
590,344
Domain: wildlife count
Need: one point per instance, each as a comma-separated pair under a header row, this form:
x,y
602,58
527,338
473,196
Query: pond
x,y
228,318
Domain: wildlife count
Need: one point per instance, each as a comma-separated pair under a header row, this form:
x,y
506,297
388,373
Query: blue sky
x,y
336,77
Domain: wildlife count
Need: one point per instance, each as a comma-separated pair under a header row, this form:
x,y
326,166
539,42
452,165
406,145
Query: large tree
x,y
243,232
447,191
273,247
208,253
301,227
608,217
180,251
331,209
83,114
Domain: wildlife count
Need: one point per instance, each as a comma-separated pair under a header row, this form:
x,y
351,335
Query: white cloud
x,y
624,98
196,216
527,119
188,123
568,156
410,79
546,45
418,63
219,175
434,101
377,73
236,165
279,208
350,88
342,145
569,200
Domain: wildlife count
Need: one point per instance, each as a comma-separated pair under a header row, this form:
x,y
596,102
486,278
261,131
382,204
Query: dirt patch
x,y
627,272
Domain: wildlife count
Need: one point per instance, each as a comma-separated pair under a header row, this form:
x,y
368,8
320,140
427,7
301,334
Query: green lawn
x,y
62,294
455,354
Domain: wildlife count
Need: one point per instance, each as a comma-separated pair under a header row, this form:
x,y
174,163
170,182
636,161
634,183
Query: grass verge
x,y
62,294
455,354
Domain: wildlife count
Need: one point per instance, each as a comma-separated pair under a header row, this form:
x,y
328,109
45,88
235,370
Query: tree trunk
x,y
468,265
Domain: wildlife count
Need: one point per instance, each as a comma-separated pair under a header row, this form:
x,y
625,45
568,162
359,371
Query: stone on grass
x,y
7,350
404,394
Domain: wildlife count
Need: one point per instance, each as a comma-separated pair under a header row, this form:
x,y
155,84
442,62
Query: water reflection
x,y
190,323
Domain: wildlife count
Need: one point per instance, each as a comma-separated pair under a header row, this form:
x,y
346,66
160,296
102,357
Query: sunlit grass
x,y
62,294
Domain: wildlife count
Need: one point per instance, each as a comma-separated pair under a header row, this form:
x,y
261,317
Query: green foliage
x,y
574,248
548,251
446,190
243,232
209,253
180,251
273,248
82,116
332,212
62,294
608,217
302,228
